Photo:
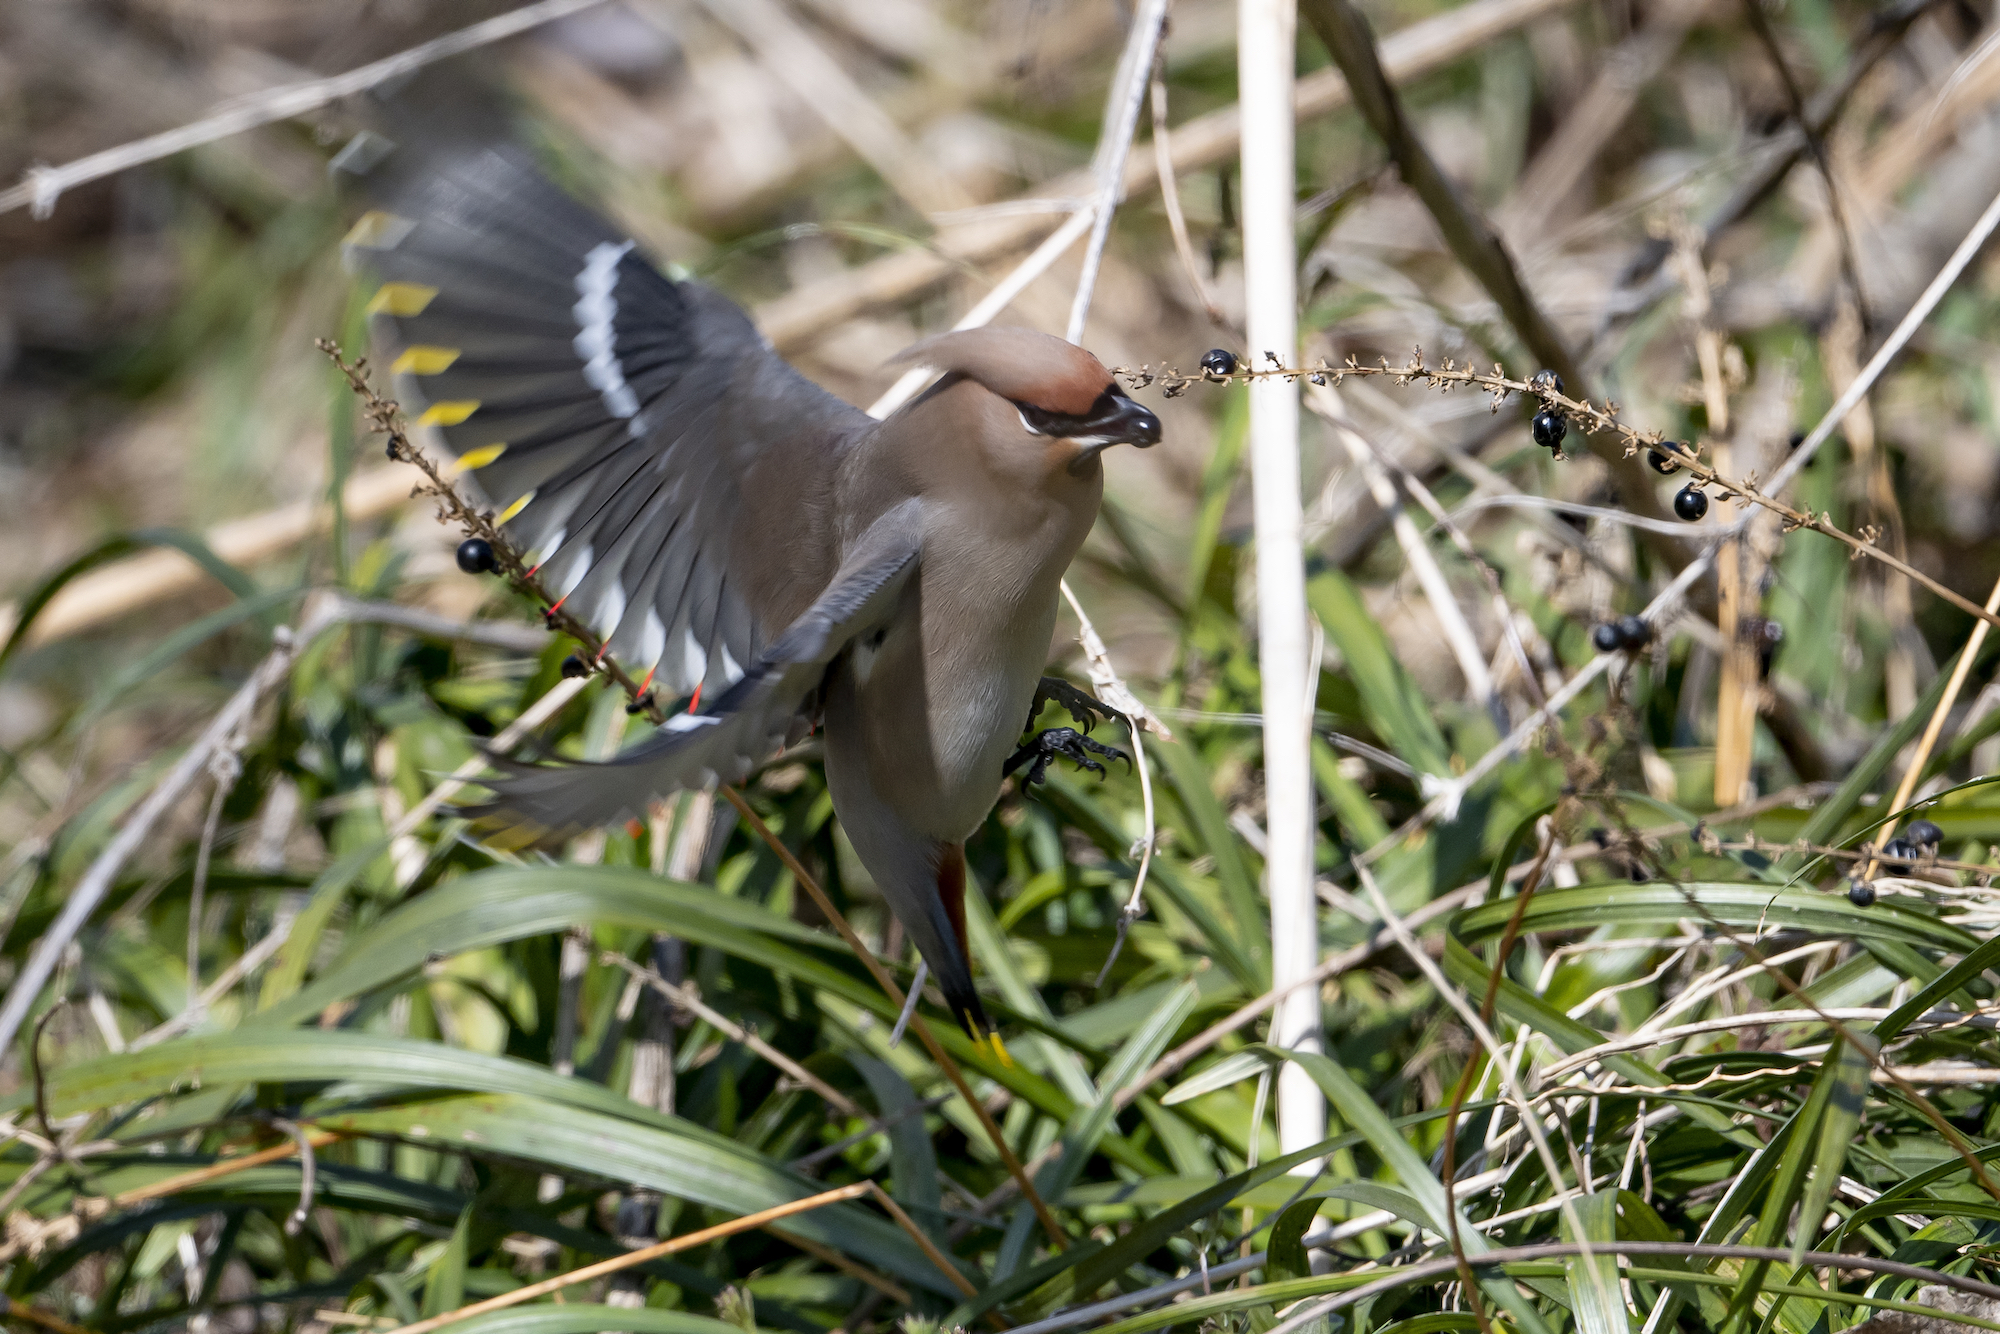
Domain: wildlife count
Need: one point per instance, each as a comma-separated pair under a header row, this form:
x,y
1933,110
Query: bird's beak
x,y
1116,421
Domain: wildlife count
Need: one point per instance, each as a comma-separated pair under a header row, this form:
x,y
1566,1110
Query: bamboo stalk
x,y
654,1252
1266,52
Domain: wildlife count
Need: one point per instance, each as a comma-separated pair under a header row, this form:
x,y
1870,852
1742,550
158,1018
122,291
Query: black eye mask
x,y
1113,419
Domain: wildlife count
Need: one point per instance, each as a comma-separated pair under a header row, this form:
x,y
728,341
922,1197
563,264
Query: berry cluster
x,y
1626,634
1920,840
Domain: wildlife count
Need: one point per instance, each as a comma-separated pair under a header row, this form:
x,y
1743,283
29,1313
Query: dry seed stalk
x,y
1581,413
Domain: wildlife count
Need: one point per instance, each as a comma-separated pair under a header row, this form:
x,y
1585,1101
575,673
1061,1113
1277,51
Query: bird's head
x,y
1058,390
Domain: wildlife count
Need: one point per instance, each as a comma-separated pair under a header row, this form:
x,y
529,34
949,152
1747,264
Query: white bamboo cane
x,y
1265,54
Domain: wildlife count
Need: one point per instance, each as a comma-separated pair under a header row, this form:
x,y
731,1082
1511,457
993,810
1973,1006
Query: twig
x,y
1855,392
1170,196
1114,145
1760,23
641,1256
924,1243
44,185
201,1176
57,1148
1463,1090
1266,55
1470,236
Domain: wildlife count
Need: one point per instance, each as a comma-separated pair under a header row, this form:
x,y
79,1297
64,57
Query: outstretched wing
x,y
722,742
639,437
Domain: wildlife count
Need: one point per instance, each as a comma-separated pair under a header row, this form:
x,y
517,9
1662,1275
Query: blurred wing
x,y
639,438
743,727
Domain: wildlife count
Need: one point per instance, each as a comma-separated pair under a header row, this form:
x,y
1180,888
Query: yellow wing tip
x,y
515,508
424,359
479,458
377,230
403,300
448,413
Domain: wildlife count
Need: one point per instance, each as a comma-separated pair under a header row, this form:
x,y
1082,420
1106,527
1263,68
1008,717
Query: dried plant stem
x,y
1594,419
45,185
201,1176
1914,771
1170,196
641,1256
1325,400
1114,145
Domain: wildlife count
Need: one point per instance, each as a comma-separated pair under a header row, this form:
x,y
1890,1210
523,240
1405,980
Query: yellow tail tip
x,y
1000,1049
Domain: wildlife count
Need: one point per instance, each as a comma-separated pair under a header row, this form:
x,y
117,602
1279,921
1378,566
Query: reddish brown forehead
x,y
1020,365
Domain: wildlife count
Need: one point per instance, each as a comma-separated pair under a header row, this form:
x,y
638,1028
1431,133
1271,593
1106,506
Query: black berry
x,y
1860,893
1662,462
1689,503
1606,638
1634,631
475,556
1900,849
1549,428
573,666
1546,382
1924,834
1219,361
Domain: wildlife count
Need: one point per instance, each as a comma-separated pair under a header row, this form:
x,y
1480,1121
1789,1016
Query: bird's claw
x,y
1086,709
1066,742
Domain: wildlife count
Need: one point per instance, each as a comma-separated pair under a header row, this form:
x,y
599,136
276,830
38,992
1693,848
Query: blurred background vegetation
x,y
497,1097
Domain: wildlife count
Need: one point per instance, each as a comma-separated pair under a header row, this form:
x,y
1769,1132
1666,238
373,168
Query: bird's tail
x,y
954,976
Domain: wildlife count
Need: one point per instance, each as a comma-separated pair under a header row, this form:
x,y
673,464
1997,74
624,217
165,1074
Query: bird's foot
x,y
1066,742
1088,710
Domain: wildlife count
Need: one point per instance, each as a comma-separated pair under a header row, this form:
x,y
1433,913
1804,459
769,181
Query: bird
x,y
749,540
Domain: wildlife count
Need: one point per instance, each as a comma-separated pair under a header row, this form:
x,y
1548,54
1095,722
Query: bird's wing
x,y
741,728
638,436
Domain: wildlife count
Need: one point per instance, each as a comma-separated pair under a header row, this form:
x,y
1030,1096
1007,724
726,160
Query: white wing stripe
x,y
595,310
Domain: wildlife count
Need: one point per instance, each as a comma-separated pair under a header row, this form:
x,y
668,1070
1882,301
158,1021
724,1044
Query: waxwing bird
x,y
741,536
